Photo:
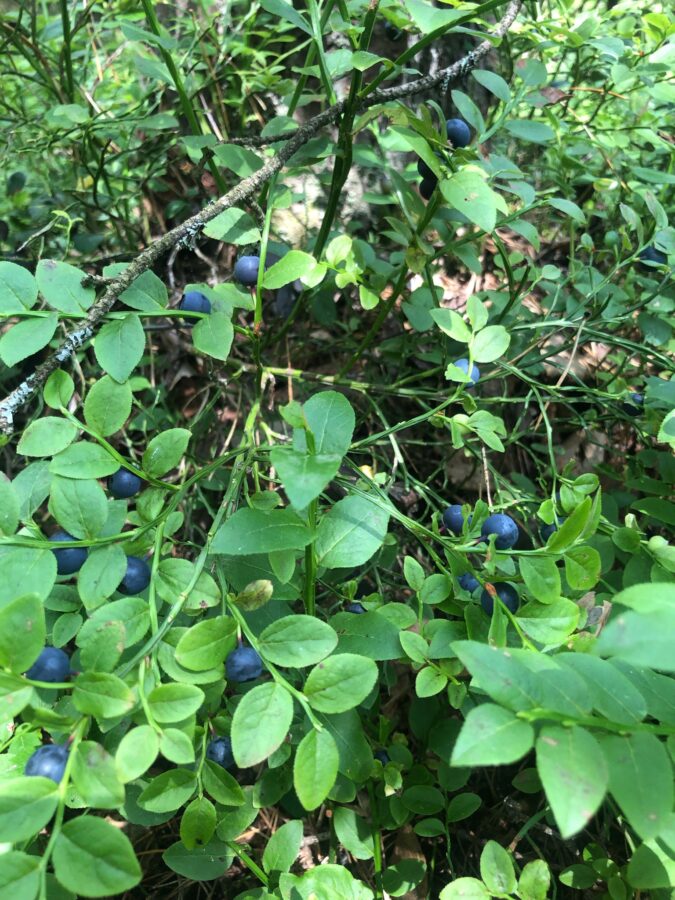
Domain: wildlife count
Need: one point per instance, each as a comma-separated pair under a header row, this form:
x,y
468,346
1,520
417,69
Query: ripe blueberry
x,y
123,484
428,186
219,751
463,364
506,593
504,527
243,664
51,665
424,170
285,298
246,270
453,518
652,255
195,301
136,578
355,608
68,559
382,755
468,581
633,404
49,761
458,132
392,32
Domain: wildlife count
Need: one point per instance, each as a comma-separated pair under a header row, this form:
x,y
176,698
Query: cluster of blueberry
x,y
459,135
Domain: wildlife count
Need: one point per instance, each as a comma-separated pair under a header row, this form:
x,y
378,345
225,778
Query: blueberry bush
x,y
338,415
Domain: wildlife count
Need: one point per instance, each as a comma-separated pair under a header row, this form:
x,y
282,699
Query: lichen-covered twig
x,y
242,193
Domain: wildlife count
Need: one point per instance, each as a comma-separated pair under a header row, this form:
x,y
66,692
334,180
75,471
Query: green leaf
x,y
174,702
61,286
18,288
95,777
452,324
83,460
550,624
206,644
102,695
340,682
24,570
541,577
351,532
490,343
527,130
297,641
46,436
331,420
468,192
465,889
26,805
571,528
26,338
499,674
22,632
493,83
353,832
93,858
201,864
569,208
582,568
641,780
303,475
651,867
107,405
574,774
165,451
260,723
436,589
198,823
213,335
283,847
146,293
640,638
176,746
136,752
81,507
534,881
496,869
222,786
611,693
15,695
19,875
368,634
428,18
491,736
292,265
284,10
251,531
174,577
9,507
168,791
119,346
413,573
101,574
233,226
315,768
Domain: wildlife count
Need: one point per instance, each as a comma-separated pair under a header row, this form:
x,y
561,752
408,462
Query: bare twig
x,y
186,231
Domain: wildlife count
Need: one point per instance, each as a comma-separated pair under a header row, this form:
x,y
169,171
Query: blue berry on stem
x,y
137,576
355,608
428,186
219,751
652,255
243,664
504,527
459,133
453,518
468,581
246,270
633,404
463,364
68,559
48,761
382,755
506,593
195,301
547,530
124,484
52,665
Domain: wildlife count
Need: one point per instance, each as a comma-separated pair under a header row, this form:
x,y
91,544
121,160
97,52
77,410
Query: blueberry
x,y
428,186
633,404
51,665
195,301
506,593
68,560
243,664
355,608
382,755
463,364
136,578
504,527
547,530
424,170
123,484
458,132
246,270
453,518
652,255
49,761
285,298
219,751
468,581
